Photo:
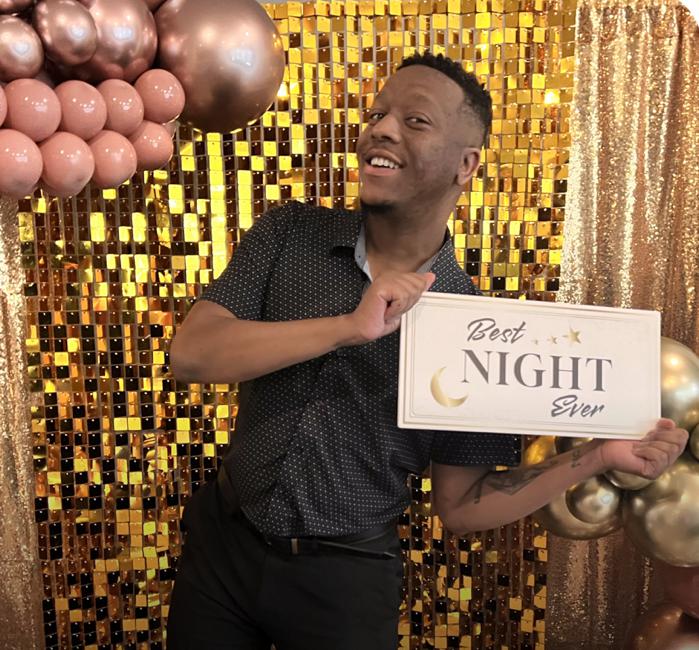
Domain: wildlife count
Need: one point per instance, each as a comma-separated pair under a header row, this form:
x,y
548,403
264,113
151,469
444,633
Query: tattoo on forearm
x,y
513,481
576,455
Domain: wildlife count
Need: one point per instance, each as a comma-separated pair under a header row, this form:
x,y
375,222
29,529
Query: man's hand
x,y
648,457
385,301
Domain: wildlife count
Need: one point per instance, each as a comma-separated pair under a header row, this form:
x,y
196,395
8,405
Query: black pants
x,y
234,592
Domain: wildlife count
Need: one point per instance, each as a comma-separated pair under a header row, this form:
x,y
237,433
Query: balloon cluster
x,y
112,113
662,516
64,137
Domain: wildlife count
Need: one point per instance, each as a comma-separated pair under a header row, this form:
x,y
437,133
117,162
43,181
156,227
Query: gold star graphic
x,y
553,339
573,335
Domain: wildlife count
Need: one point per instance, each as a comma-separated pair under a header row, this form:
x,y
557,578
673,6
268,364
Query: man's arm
x,y
473,498
214,346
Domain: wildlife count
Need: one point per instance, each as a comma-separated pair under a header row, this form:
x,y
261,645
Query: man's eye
x,y
417,120
376,116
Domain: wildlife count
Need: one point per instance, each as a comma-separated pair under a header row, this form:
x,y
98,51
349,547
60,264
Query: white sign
x,y
471,363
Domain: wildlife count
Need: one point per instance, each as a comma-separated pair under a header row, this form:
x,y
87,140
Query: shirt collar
x,y
348,230
345,230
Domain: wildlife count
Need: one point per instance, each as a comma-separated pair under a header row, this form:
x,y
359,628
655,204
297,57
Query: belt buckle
x,y
294,545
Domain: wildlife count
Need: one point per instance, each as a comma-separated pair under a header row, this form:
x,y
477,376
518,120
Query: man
x,y
295,543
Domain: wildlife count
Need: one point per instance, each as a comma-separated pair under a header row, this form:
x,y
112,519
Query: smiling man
x,y
295,543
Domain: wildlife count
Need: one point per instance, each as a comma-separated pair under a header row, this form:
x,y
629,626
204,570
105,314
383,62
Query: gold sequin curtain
x,y
631,240
20,582
119,446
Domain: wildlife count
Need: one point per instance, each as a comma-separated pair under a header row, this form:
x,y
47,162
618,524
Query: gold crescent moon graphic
x,y
440,396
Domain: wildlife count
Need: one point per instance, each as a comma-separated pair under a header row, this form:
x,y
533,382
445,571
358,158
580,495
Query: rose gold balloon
x,y
126,40
663,627
3,106
21,53
32,108
124,106
115,159
67,31
68,163
84,111
14,6
154,4
153,145
228,56
20,162
163,96
681,586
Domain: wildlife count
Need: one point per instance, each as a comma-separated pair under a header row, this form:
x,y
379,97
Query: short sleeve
x,y
242,286
467,448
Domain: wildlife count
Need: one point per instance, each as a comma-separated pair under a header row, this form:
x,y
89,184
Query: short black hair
x,y
476,97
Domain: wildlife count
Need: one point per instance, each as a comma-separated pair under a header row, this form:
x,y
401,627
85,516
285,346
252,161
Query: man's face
x,y
411,151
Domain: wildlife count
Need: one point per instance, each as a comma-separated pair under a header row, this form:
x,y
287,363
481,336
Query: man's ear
x,y
470,159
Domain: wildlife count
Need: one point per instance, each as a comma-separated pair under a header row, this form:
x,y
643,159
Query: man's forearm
x,y
499,498
238,350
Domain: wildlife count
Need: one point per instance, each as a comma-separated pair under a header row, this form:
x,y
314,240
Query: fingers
x,y
665,423
658,454
402,291
651,449
670,434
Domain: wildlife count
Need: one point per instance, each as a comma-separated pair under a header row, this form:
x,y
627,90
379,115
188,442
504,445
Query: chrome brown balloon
x,y
14,6
663,518
228,56
663,627
21,52
681,586
67,31
126,41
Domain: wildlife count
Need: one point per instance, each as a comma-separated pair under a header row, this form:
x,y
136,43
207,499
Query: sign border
x,y
407,418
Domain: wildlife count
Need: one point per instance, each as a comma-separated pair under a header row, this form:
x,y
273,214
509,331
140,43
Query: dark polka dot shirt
x,y
317,450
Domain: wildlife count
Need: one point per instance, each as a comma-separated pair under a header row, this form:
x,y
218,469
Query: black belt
x,y
308,545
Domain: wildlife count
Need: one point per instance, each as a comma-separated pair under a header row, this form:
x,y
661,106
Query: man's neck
x,y
403,245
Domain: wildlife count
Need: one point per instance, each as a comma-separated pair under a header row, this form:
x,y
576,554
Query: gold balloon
x,y
21,53
663,518
228,56
127,41
66,29
679,372
566,443
627,481
594,501
556,516
694,442
663,627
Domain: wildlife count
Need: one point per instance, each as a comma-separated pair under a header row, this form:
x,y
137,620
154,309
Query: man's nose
x,y
387,128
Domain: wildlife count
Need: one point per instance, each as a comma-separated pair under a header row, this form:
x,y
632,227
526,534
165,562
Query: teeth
x,y
377,161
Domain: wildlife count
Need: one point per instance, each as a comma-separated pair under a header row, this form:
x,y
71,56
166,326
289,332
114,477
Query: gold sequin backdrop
x,y
119,445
